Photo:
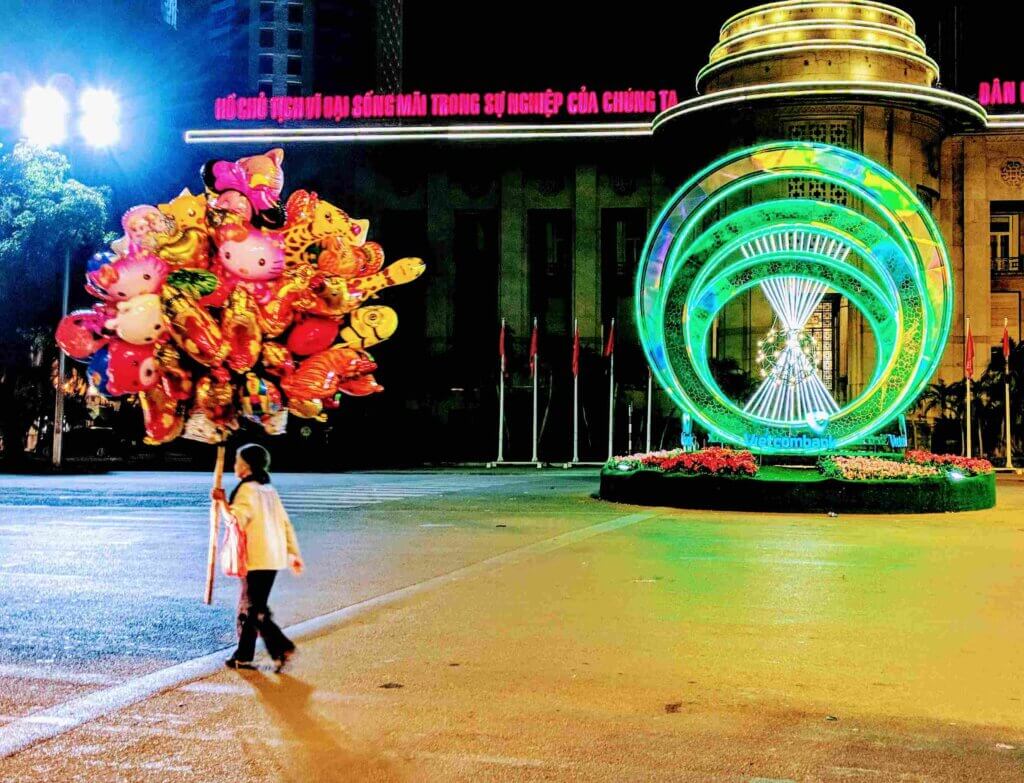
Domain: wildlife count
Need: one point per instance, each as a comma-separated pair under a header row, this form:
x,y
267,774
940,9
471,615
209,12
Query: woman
x,y
270,547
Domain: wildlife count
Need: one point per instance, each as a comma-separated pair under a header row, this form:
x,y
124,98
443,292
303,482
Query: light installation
x,y
888,259
791,390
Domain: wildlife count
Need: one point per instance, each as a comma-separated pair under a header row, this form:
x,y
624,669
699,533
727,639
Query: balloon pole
x,y
211,552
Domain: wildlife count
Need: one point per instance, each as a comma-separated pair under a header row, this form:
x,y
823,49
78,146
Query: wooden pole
x,y
211,552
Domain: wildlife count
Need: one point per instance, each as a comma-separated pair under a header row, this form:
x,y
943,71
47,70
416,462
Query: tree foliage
x,y
42,212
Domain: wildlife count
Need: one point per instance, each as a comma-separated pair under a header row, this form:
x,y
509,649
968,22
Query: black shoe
x,y
234,663
279,663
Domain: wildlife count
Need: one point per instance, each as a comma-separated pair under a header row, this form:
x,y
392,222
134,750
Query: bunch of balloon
x,y
234,308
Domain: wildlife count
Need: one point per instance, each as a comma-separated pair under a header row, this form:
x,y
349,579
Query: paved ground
x,y
588,642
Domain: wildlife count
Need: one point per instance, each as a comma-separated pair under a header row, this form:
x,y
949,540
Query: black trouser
x,y
254,617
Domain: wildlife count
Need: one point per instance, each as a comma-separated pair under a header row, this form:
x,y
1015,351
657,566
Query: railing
x,y
1007,266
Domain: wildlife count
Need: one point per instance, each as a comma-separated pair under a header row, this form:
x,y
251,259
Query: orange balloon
x,y
277,359
162,416
241,330
175,380
319,376
214,397
194,329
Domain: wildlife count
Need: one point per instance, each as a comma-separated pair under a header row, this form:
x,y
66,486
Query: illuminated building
x,y
550,221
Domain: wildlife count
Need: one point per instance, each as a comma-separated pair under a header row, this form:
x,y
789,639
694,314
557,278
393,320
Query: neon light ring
x,y
888,260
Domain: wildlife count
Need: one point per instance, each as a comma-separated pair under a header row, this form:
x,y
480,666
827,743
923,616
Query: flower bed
x,y
966,465
873,469
711,461
914,465
731,480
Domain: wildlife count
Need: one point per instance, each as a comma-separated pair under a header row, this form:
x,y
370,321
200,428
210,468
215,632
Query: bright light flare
x,y
99,121
44,117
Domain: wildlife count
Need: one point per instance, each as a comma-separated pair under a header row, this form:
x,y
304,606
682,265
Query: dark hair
x,y
258,460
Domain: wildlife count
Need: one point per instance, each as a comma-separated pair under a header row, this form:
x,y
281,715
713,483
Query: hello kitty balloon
x,y
139,321
251,258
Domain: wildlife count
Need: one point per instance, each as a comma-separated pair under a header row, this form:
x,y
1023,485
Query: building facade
x,y
552,229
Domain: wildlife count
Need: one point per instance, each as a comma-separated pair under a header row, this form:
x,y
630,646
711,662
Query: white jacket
x,y
270,537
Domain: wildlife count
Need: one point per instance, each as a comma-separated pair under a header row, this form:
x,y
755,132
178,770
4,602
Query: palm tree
x,y
946,397
947,400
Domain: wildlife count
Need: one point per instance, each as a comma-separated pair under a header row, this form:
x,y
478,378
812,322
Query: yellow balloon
x,y
369,326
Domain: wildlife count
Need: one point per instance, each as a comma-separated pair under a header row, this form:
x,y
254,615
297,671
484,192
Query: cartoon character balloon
x,y
140,320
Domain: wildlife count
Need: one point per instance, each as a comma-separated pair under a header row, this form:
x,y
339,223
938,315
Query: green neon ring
x,y
906,261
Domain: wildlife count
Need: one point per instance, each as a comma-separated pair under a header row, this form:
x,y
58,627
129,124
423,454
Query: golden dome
x,y
811,40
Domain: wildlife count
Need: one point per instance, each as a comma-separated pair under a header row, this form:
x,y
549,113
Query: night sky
x,y
639,43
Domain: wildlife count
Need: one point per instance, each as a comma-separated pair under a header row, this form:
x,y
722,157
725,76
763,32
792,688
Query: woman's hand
x,y
218,495
296,564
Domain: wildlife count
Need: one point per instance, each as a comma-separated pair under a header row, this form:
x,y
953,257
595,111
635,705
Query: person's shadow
x,y
322,755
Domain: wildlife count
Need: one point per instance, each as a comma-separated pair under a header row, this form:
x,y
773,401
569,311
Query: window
x,y
295,40
267,88
822,327
549,253
294,13
266,63
294,89
266,12
295,66
267,39
1003,235
622,239
836,131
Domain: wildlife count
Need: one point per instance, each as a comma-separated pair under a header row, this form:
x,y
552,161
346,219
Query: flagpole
x,y
967,336
629,429
501,397
536,365
575,392
1006,385
611,392
650,392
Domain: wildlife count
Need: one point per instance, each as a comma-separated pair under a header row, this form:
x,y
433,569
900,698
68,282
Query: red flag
x,y
501,345
1006,342
609,347
533,349
969,353
576,351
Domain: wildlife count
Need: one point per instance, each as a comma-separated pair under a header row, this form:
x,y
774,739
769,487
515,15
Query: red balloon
x,y
132,368
80,334
312,335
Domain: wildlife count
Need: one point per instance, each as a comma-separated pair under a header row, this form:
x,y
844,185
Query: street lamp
x,y
99,117
44,123
44,116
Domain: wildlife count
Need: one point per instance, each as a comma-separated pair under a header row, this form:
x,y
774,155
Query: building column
x,y
975,298
440,230
513,275
586,271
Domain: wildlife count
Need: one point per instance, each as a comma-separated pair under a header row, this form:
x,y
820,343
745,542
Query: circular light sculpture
x,y
889,260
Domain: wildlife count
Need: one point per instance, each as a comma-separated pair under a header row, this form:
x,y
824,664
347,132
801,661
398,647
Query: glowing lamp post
x,y
44,123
